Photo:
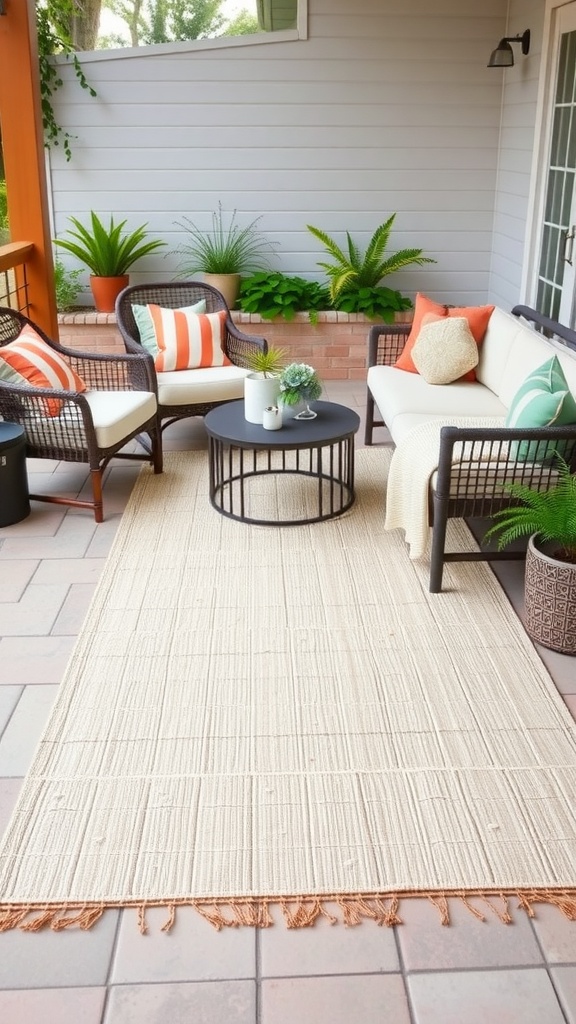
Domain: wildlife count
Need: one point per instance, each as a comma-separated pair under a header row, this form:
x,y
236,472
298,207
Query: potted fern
x,y
355,276
548,518
108,251
262,385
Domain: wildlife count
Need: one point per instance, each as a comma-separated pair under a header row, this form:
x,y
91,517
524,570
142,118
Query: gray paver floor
x,y
418,972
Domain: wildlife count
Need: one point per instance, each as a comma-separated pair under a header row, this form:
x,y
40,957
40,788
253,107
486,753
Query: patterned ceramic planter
x,y
550,600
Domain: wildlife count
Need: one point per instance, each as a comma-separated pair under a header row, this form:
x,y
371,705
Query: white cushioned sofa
x,y
477,453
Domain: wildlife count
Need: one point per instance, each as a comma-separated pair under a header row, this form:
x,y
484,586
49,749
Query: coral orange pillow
x,y
477,317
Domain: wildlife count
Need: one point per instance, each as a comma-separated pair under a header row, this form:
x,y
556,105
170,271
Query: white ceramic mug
x,y
272,418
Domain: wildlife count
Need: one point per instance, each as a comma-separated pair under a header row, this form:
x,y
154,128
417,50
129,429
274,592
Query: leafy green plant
x,y
375,303
276,294
354,270
225,249
67,285
269,363
53,20
108,251
4,226
550,514
299,382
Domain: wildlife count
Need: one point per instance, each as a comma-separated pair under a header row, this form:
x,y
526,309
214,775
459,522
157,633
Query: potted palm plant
x,y
548,518
262,385
355,276
109,252
223,253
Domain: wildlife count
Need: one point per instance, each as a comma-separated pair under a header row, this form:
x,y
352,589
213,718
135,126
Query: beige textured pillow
x,y
445,350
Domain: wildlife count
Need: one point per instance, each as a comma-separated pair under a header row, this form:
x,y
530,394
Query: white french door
x,y
556,276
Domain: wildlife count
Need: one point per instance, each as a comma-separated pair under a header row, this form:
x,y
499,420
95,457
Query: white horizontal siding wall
x,y
515,157
387,107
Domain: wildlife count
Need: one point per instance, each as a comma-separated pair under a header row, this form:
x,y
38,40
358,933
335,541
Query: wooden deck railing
x,y
13,278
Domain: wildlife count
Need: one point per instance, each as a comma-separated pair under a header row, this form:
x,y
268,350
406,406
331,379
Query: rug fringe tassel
x,y
253,913
297,911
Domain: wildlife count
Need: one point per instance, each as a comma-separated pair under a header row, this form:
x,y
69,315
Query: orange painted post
x,y
23,151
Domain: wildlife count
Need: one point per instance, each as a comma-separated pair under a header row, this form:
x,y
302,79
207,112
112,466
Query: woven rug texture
x,y
258,714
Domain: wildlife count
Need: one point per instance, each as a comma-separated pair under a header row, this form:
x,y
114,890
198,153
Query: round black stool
x,y
14,499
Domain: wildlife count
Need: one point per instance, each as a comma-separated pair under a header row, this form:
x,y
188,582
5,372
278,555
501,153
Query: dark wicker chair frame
x,y
470,483
174,295
72,438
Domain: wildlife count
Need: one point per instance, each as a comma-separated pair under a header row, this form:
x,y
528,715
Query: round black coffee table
x,y
321,449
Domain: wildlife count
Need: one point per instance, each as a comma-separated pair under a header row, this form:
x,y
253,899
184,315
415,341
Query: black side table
x,y
14,499
322,448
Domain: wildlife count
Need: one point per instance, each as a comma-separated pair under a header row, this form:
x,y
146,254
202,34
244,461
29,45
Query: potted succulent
x,y
223,253
548,517
109,252
300,385
262,385
355,277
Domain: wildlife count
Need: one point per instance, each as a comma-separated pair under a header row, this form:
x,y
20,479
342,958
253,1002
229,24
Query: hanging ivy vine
x,y
53,18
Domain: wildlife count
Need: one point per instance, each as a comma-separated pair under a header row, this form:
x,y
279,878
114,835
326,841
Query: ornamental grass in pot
x,y
223,252
548,518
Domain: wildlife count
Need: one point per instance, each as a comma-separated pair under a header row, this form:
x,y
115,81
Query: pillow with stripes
x,y
29,360
542,400
187,340
147,328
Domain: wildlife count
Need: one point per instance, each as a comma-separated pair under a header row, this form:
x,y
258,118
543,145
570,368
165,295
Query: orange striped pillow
x,y
188,340
29,360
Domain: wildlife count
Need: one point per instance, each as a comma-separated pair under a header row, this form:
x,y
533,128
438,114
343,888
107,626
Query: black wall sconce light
x,y
503,55
2,8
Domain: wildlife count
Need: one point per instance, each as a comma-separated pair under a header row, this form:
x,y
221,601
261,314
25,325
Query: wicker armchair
x,y
184,393
93,426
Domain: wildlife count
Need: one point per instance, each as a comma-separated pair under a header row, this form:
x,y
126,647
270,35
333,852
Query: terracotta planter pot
x,y
227,284
550,600
106,290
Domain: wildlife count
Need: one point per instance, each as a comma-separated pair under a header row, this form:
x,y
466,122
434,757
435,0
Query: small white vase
x,y
259,393
272,418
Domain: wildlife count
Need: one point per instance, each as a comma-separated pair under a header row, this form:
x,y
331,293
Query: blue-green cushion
x,y
542,400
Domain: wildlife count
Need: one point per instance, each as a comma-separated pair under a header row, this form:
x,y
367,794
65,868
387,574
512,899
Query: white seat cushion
x,y
115,415
208,384
398,393
118,413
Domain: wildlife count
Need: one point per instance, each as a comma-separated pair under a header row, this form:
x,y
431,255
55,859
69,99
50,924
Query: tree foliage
x,y
168,21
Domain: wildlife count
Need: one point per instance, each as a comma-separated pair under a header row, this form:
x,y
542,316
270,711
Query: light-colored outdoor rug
x,y
260,715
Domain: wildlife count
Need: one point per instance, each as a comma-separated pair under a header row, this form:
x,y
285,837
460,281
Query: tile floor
x,y
416,973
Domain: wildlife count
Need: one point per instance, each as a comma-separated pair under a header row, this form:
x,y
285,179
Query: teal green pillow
x,y
543,400
145,324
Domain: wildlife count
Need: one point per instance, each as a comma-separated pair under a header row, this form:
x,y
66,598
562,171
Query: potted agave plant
x,y
549,519
262,385
109,252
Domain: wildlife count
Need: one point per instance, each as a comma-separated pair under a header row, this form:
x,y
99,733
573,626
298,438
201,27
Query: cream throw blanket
x,y
413,463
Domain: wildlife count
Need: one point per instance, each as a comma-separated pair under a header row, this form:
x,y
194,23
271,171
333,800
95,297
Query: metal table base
x,y
240,453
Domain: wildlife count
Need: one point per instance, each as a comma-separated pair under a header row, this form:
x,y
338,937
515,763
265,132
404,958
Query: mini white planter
x,y
259,393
